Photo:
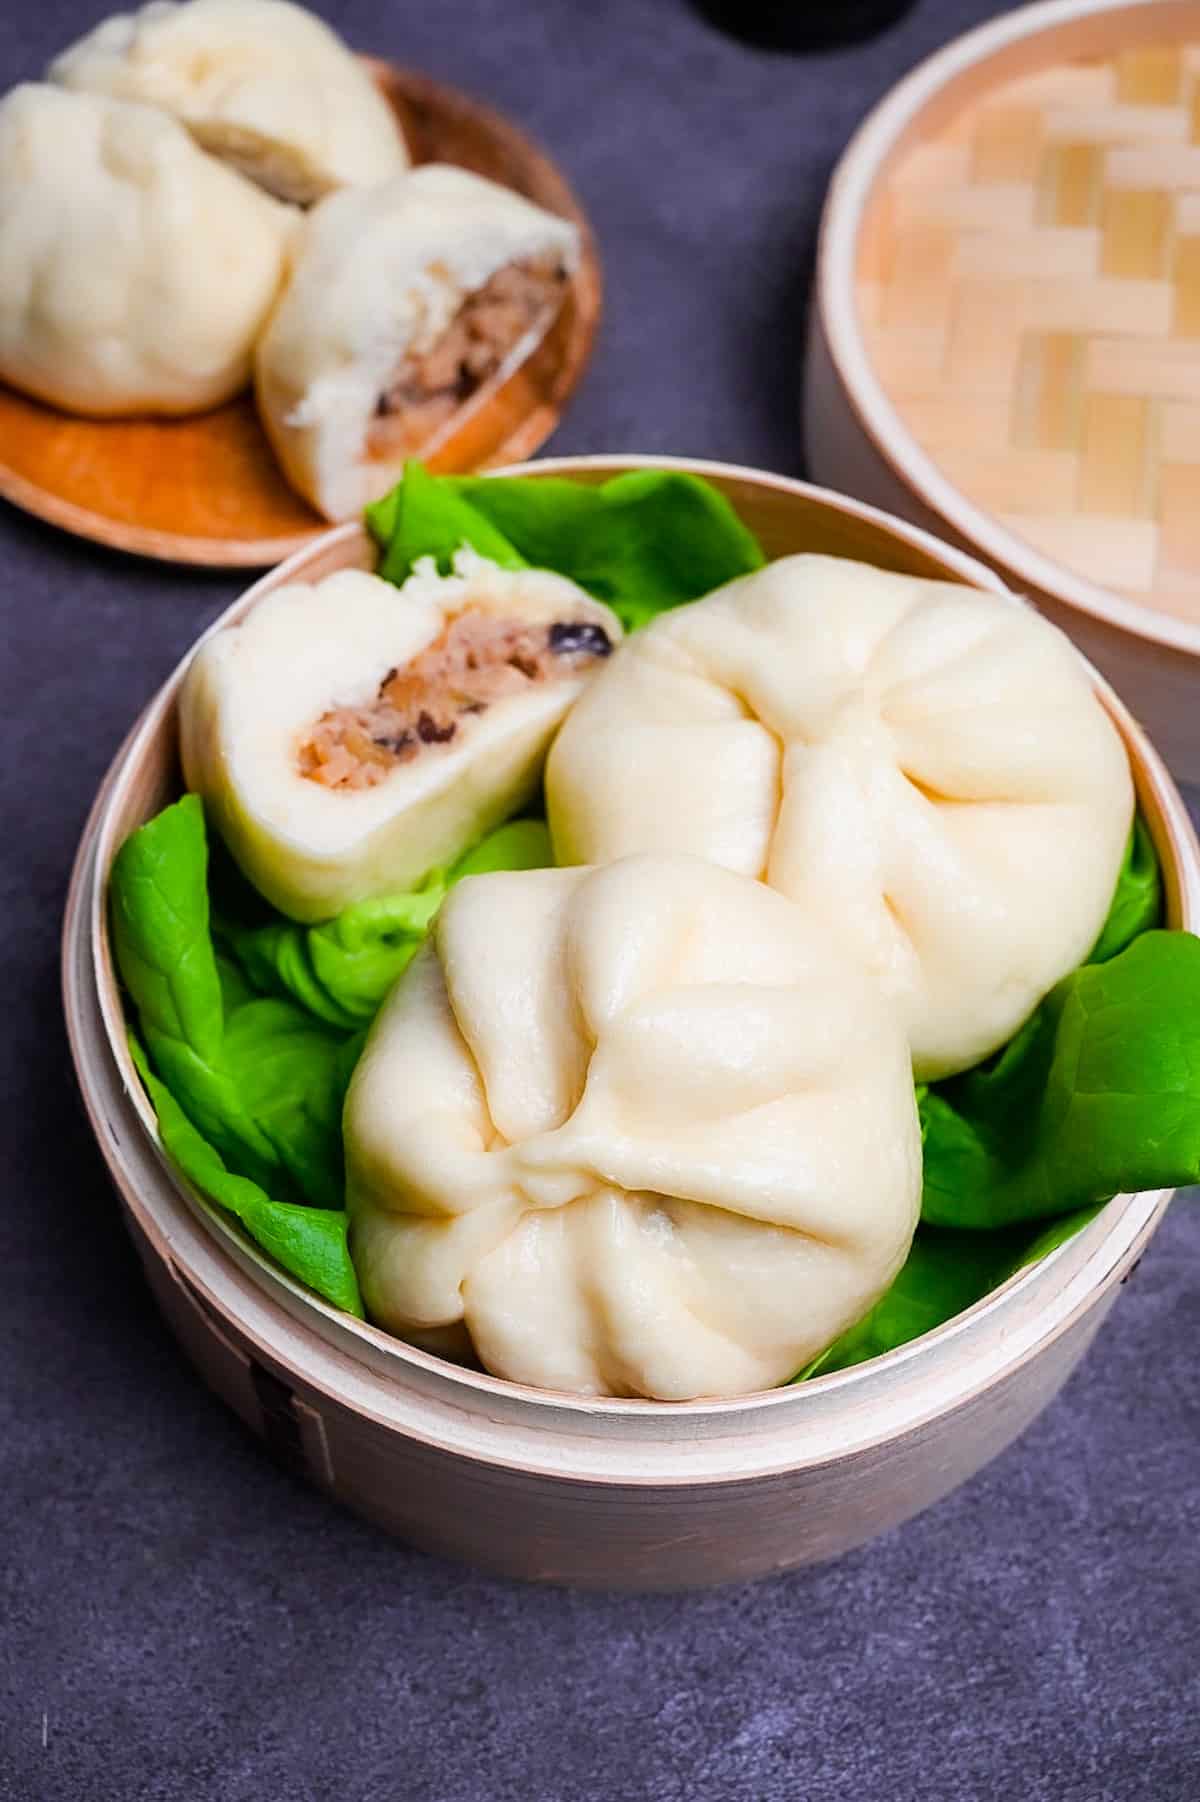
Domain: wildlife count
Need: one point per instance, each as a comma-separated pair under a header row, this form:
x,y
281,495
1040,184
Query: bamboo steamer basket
x,y
1004,344
532,1484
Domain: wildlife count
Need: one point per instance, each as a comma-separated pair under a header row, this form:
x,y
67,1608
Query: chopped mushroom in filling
x,y
477,660
430,387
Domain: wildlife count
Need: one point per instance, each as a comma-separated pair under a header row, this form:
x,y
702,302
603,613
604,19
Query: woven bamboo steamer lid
x,y
605,1493
1005,338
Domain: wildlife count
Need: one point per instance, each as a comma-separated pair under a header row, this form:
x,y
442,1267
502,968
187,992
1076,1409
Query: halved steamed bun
x,y
924,766
263,84
135,272
642,1130
350,735
406,302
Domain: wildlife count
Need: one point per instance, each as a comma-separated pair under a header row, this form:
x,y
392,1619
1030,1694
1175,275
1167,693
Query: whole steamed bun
x,y
925,767
263,84
641,1130
135,272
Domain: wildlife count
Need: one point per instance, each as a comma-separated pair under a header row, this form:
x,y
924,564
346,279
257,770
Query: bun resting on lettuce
x,y
350,736
264,85
406,303
135,272
924,766
641,1130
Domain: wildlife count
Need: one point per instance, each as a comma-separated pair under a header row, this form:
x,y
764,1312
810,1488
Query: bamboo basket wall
x,y
538,1485
1005,343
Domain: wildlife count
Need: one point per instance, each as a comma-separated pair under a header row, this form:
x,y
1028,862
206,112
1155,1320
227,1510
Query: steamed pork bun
x,y
641,1130
135,272
260,83
925,766
350,736
407,304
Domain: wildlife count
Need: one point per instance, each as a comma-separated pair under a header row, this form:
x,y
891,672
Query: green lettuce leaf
x,y
1098,1093
642,542
340,971
948,1270
247,1057
1057,1233
945,1273
309,1243
259,1078
158,900
520,845
432,516
1137,903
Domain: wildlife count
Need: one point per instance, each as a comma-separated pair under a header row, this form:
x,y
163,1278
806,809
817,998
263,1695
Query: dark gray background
x,y
177,1619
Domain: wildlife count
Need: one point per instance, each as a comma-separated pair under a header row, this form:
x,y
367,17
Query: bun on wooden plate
x,y
263,84
406,302
135,271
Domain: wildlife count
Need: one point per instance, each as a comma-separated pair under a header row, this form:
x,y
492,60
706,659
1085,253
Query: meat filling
x,y
430,388
476,661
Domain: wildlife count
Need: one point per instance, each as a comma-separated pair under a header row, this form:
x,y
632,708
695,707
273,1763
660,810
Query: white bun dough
x,y
641,1130
135,272
924,766
252,691
379,275
262,84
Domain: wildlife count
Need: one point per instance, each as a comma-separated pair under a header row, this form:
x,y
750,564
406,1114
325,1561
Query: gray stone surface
x,y
178,1620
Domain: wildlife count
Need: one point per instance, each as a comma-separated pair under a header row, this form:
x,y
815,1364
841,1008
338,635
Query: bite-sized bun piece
x,y
350,735
407,302
264,85
641,1130
135,272
925,766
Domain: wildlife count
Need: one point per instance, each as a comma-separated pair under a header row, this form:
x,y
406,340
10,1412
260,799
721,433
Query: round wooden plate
x,y
207,490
